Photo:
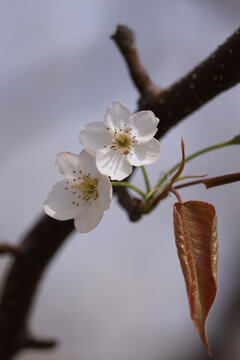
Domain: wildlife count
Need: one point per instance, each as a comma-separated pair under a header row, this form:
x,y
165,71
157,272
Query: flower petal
x,y
59,203
144,125
90,218
71,165
104,191
112,163
94,136
68,163
117,115
144,154
88,164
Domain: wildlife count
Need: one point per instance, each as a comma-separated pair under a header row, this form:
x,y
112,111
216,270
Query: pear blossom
x,y
83,195
122,140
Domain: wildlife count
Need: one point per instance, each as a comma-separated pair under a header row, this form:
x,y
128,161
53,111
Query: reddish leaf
x,y
195,228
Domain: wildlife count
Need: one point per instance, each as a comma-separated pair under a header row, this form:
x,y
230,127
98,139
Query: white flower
x,y
122,140
83,195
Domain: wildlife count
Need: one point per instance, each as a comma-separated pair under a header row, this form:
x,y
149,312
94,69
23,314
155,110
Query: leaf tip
x,y
183,147
202,334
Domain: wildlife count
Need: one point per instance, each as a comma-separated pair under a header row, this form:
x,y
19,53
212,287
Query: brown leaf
x,y
182,164
195,228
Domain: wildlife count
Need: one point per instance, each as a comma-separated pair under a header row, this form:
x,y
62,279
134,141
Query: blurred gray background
x,y
117,292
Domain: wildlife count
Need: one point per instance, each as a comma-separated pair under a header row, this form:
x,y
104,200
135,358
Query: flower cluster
x,y
111,149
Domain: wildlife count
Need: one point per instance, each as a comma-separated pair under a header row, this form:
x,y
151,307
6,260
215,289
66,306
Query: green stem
x,y
126,184
194,155
146,179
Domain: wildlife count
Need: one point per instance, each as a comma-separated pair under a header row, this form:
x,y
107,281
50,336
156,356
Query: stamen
x,y
88,187
123,141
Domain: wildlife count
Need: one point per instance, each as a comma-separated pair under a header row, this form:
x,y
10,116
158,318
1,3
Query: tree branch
x,y
124,38
216,74
212,182
35,252
41,344
219,72
129,204
9,249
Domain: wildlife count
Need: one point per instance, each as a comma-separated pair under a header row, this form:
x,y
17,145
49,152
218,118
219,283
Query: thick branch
x,y
214,75
219,72
35,252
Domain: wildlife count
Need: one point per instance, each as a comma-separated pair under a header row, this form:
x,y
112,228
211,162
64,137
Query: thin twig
x,y
9,249
41,344
212,182
124,38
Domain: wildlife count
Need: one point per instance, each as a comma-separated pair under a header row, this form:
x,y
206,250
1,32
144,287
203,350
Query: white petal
x,y
145,154
94,136
117,115
112,163
144,125
68,163
72,165
104,191
59,203
90,218
88,164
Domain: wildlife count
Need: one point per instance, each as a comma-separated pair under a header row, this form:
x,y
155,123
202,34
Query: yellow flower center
x,y
88,187
85,188
123,141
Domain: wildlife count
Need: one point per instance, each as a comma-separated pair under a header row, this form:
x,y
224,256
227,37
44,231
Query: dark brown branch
x,y
221,180
214,75
219,72
130,205
9,249
35,252
41,344
124,38
212,182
